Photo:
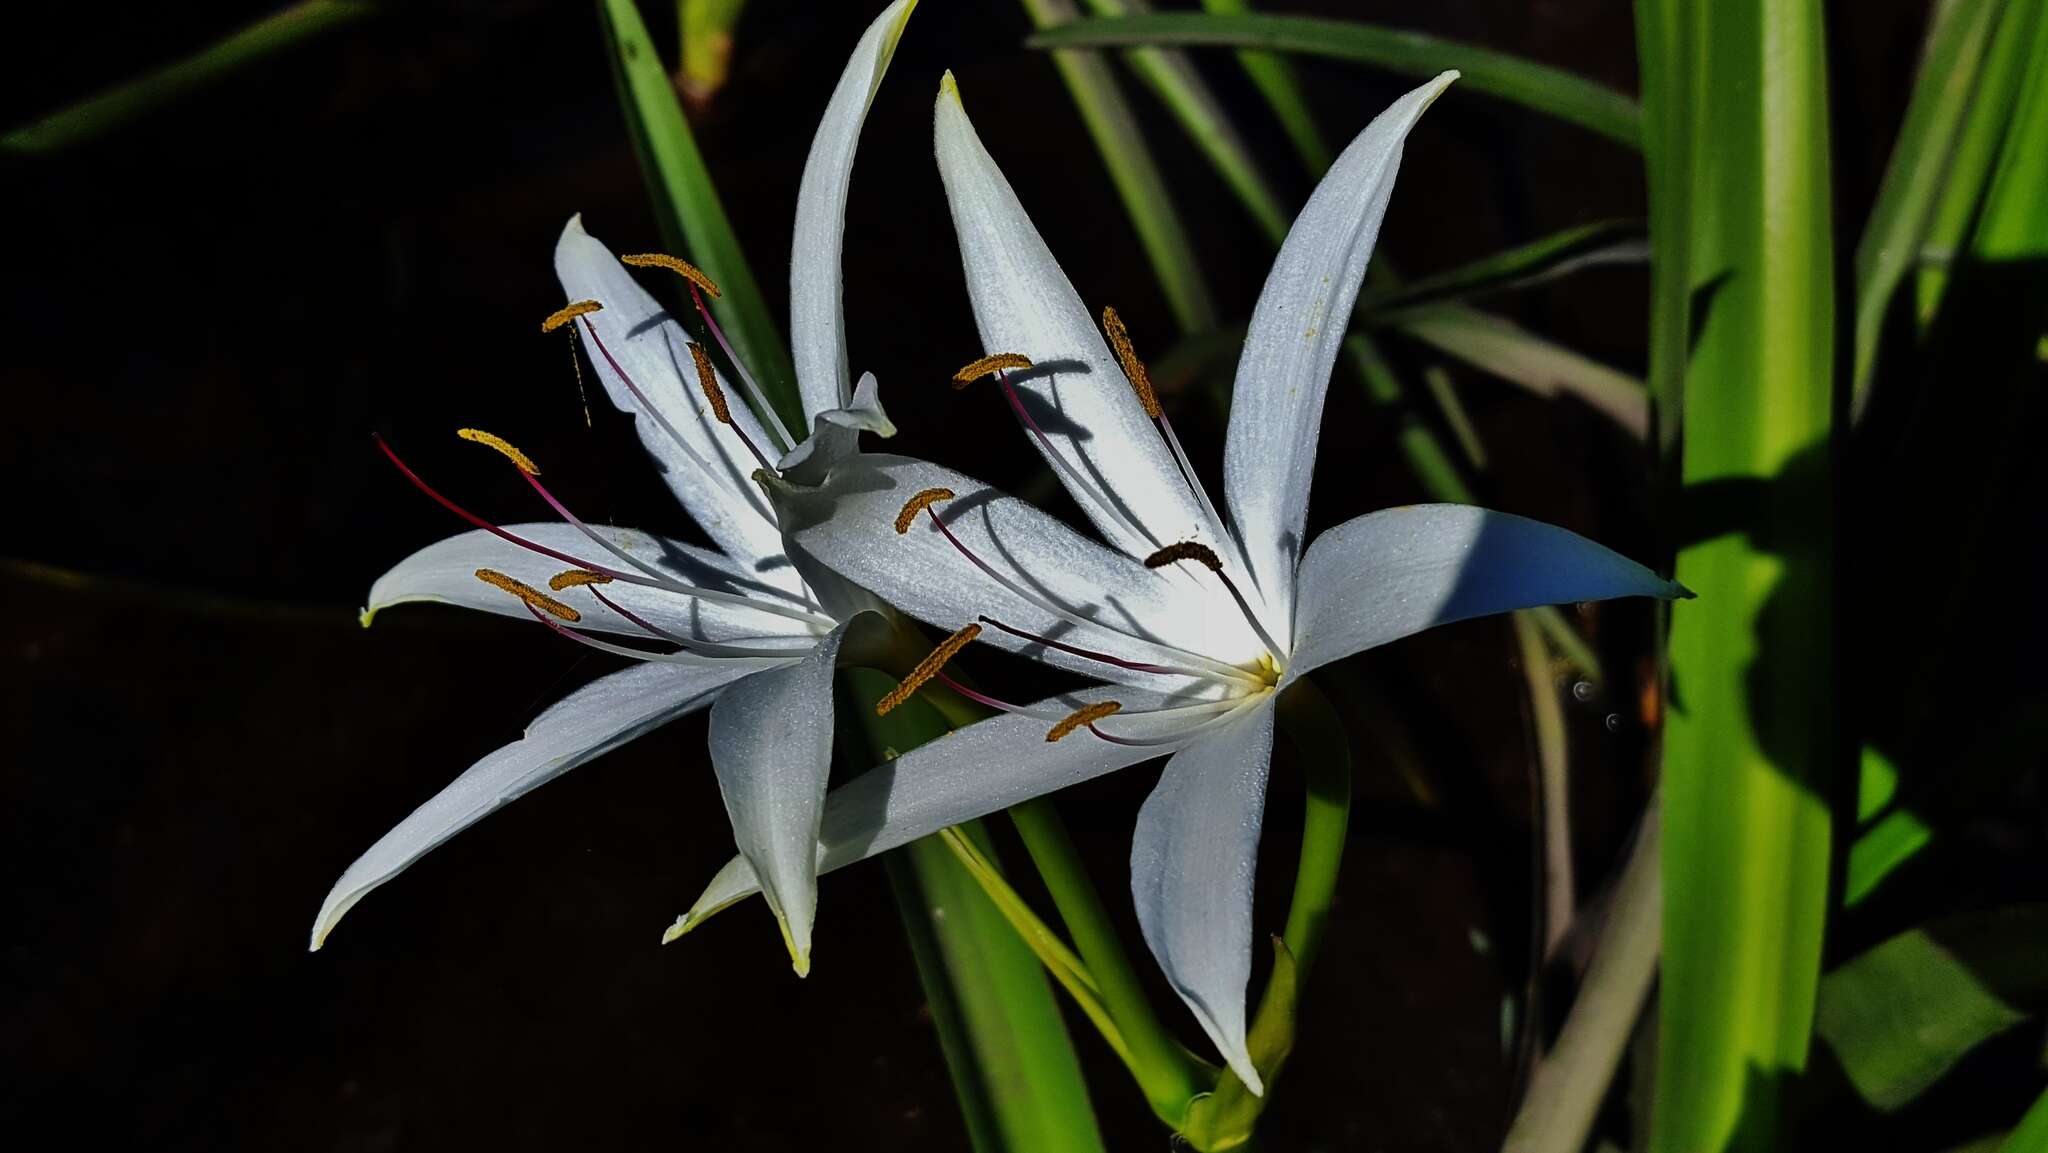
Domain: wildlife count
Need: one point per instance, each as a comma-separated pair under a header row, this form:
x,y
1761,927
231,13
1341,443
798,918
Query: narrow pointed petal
x,y
972,772
1193,857
771,745
1023,303
588,722
1388,574
849,526
445,573
1276,412
817,323
702,461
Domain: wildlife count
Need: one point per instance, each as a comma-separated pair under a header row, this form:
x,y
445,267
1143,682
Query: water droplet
x,y
1583,691
1613,722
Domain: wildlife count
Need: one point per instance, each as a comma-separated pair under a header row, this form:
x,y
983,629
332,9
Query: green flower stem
x,y
1013,1066
1166,1072
133,98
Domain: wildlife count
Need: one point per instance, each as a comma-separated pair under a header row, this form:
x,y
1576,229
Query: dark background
x,y
210,311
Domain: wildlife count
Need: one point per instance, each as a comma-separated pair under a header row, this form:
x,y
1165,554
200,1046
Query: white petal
x,y
588,722
972,772
817,324
1276,411
771,744
704,463
445,572
849,526
1388,574
1193,856
1078,395
835,435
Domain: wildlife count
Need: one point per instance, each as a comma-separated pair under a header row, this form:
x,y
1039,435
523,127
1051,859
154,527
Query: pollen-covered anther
x,y
520,460
918,504
1085,715
927,669
1134,369
567,313
707,379
987,365
577,578
530,595
1185,550
677,265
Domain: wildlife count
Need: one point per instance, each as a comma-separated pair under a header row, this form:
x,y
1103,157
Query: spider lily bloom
x,y
1198,622
739,630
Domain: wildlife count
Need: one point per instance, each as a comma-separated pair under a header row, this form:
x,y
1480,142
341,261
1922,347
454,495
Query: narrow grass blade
x,y
1543,259
1903,1014
1174,80
133,98
2031,1134
1131,168
1013,1066
686,203
1748,748
706,28
1547,90
1511,352
1273,76
1942,98
1553,792
1976,150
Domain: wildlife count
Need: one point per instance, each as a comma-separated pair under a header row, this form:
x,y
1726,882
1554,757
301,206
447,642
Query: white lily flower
x,y
1198,623
741,630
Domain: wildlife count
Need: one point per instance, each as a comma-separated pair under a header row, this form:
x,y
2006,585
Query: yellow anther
x,y
1134,369
520,460
1085,715
529,594
918,504
994,363
576,578
1185,550
707,379
927,669
682,268
567,313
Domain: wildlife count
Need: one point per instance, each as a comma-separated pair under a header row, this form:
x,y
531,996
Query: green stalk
x,y
1273,75
1013,1066
706,50
1165,1071
1742,86
1551,91
130,99
687,205
1128,158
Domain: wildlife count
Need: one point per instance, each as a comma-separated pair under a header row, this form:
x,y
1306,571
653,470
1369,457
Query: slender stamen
x,y
707,381
569,312
747,492
754,393
1085,715
583,638
1196,551
577,578
1179,737
700,647
677,265
1215,669
1060,461
533,597
520,460
1088,654
1127,356
994,362
927,669
992,702
918,504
